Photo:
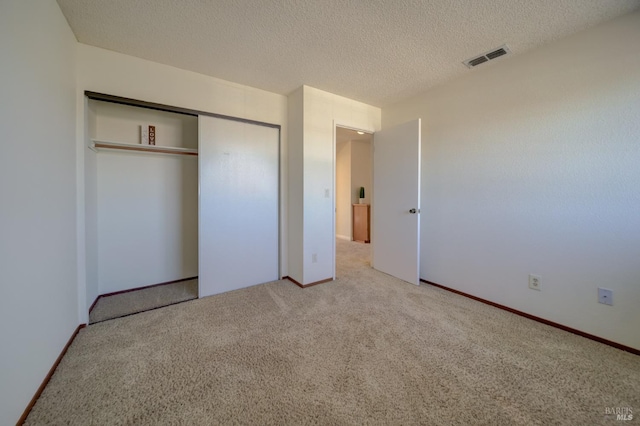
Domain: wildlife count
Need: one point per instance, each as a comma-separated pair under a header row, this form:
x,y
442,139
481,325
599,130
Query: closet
x,y
202,202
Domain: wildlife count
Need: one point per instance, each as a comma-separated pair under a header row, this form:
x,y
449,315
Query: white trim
x,y
356,129
333,200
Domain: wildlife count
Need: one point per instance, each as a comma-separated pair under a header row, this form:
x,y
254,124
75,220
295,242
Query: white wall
x,y
344,196
121,123
112,73
530,165
38,307
361,170
295,185
322,111
87,166
147,219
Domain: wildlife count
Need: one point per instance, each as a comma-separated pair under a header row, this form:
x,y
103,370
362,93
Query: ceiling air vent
x,y
496,53
493,54
477,61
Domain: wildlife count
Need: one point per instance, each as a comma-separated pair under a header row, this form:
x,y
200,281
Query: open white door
x,y
396,201
238,221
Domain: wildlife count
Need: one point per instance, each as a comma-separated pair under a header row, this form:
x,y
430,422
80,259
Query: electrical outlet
x,y
535,282
314,258
605,296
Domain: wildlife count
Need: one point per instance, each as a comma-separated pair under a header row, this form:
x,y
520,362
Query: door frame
x,y
337,124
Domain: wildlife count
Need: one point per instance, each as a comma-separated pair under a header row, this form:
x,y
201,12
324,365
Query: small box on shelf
x,y
152,135
144,135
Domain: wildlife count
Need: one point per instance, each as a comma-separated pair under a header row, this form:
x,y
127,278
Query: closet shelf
x,y
97,145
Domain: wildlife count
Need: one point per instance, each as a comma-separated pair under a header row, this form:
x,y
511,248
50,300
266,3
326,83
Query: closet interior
x,y
146,196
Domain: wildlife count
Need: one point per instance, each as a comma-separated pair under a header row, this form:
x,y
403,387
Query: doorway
x,y
353,188
394,196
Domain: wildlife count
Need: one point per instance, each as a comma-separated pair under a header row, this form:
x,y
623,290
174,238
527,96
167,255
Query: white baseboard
x,y
343,237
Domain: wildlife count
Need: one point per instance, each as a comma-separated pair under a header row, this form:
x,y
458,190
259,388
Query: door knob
x,y
413,211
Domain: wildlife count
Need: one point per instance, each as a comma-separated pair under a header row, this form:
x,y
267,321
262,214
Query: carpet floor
x,y
145,299
364,349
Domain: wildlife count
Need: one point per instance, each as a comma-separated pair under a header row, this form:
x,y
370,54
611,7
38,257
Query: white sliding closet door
x,y
238,220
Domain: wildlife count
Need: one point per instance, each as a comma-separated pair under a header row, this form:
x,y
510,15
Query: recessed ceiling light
x,y
361,133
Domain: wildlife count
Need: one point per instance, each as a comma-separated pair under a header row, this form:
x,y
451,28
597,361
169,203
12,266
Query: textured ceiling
x,y
375,51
